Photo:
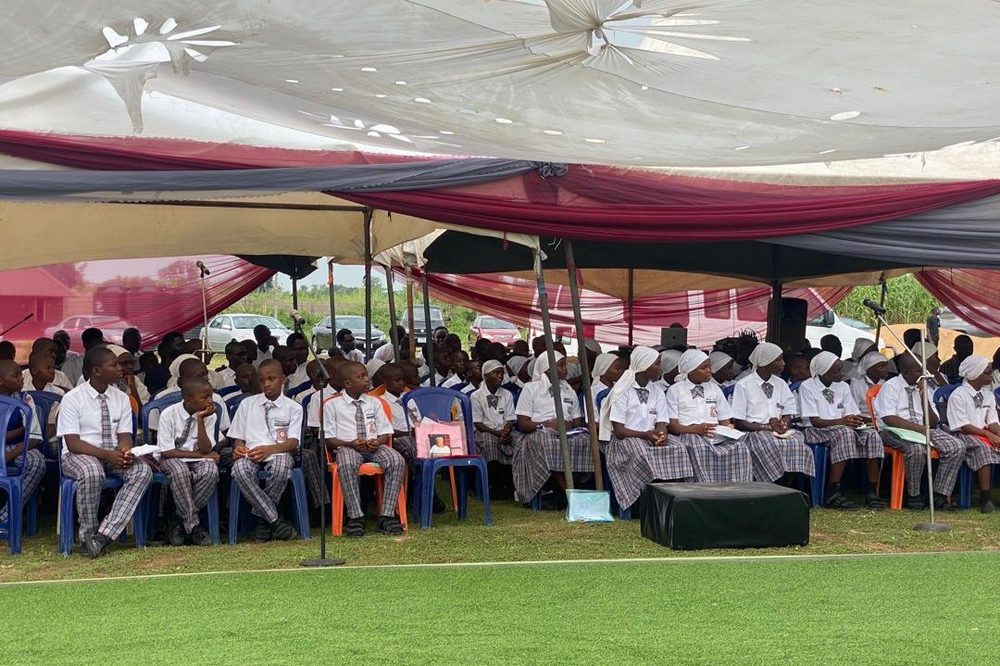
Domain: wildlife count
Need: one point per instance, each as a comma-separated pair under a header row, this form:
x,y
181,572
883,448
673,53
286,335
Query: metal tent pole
x,y
368,283
393,338
427,326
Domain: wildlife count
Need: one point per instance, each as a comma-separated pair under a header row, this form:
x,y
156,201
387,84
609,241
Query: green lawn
x,y
872,610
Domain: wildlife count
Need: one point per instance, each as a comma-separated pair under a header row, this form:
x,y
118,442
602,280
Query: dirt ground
x,y
983,346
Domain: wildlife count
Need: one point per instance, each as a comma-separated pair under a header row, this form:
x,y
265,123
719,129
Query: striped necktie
x,y
768,389
910,405
359,419
698,391
829,395
179,441
643,394
107,437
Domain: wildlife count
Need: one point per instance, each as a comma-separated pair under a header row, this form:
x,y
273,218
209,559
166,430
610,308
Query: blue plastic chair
x,y
295,390
436,403
227,390
232,404
160,479
940,399
727,392
45,402
821,454
10,476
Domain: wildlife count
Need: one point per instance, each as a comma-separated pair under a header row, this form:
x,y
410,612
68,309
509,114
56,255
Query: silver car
x,y
239,326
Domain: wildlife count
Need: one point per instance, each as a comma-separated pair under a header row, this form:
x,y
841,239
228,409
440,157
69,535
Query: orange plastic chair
x,y
366,469
896,458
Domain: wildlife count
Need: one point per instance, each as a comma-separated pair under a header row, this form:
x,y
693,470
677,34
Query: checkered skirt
x,y
978,452
846,443
726,462
772,457
538,454
489,447
634,462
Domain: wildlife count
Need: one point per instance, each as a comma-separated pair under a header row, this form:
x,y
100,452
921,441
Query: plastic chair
x,y
156,406
727,392
232,404
821,455
436,403
10,476
366,469
940,401
45,402
227,390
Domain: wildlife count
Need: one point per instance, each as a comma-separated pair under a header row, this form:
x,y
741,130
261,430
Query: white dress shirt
x,y
451,381
398,415
59,384
895,400
171,435
634,414
340,417
355,355
298,378
751,404
312,417
967,406
689,409
226,377
261,356
596,387
859,391
154,416
439,380
539,405
72,369
262,422
80,414
813,402
496,416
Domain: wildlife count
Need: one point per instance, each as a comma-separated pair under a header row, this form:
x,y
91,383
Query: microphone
x,y
297,318
874,307
204,270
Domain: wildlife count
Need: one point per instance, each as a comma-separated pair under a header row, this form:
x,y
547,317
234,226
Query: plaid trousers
x,y
492,450
34,470
538,454
348,462
634,462
846,443
950,450
311,469
406,447
725,462
264,501
89,474
191,483
773,457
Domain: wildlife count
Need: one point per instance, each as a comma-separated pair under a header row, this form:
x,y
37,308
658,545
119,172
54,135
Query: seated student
x,y
316,381
473,376
963,350
452,342
50,348
147,363
358,431
373,368
493,416
911,336
236,355
513,366
443,361
861,347
668,366
481,350
972,417
634,422
265,433
458,360
334,386
189,368
265,344
347,344
831,343
390,388
723,368
41,374
11,383
187,441
95,422
872,369
128,384
298,347
73,367
797,368
899,405
411,374
310,457
833,418
763,406
537,453
606,371
929,353
695,406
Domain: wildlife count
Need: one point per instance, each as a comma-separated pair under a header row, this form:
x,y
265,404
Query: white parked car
x,y
845,328
239,326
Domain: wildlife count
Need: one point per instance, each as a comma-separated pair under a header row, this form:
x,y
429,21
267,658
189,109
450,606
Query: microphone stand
x,y
931,526
13,326
322,560
204,310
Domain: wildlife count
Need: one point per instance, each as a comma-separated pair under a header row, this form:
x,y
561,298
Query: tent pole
x,y
631,305
588,394
550,351
368,283
411,338
333,305
429,334
392,313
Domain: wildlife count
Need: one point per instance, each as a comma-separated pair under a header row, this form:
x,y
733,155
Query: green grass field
x,y
872,610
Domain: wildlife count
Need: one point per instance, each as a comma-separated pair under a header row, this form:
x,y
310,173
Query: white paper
x,y
144,450
728,433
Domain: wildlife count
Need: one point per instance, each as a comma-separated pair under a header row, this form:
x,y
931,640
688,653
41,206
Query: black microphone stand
x,y
322,560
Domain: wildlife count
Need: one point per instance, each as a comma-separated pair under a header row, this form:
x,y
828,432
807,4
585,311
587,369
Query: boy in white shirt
x,y
236,355
358,431
11,383
832,418
695,406
265,432
186,442
972,417
95,422
391,392
634,422
900,405
763,406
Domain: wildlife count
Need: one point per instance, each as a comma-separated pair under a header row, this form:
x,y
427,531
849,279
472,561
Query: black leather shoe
x,y
200,537
262,533
176,535
95,545
282,530
390,525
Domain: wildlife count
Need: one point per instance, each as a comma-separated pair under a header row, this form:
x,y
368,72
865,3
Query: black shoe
x,y
437,506
915,503
355,528
282,530
199,536
95,545
390,525
176,536
941,503
875,503
840,502
987,507
262,533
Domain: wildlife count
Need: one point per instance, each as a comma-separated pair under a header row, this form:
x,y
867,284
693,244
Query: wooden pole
x,y
588,393
333,304
631,306
393,338
368,283
427,326
543,305
409,314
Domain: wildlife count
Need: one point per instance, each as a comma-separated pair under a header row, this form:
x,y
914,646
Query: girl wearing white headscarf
x,y
873,368
129,385
668,366
723,368
972,418
634,419
607,369
513,367
852,366
493,416
537,452
832,418
763,406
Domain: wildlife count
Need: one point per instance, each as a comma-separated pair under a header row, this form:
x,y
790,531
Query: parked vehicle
x,y
419,328
845,328
494,330
112,327
324,336
239,326
953,322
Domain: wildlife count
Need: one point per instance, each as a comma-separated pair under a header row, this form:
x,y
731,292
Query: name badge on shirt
x,y
712,408
281,431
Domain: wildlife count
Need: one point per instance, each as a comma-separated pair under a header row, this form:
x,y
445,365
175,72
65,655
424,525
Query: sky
x,y
346,276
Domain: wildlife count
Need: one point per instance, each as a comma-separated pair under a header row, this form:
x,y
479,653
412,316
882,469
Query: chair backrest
x,y
794,386
727,391
226,390
233,403
156,406
941,396
870,400
295,390
8,408
436,403
601,397
45,402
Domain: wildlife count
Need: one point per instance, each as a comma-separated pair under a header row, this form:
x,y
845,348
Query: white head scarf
x,y
764,354
821,363
690,360
592,345
923,347
373,366
573,370
973,366
540,372
869,360
669,360
861,346
492,365
175,368
601,365
641,359
719,360
118,351
515,363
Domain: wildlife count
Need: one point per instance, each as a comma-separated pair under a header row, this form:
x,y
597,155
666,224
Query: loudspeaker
x,y
791,328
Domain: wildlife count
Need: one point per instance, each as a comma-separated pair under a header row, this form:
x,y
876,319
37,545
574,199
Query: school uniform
x,y
897,398
192,480
538,454
715,459
260,421
34,460
295,382
758,401
451,381
634,462
817,400
493,410
313,455
469,388
98,419
154,416
439,380
59,384
226,377
597,387
967,406
859,393
404,444
355,355
72,370
262,355
348,419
